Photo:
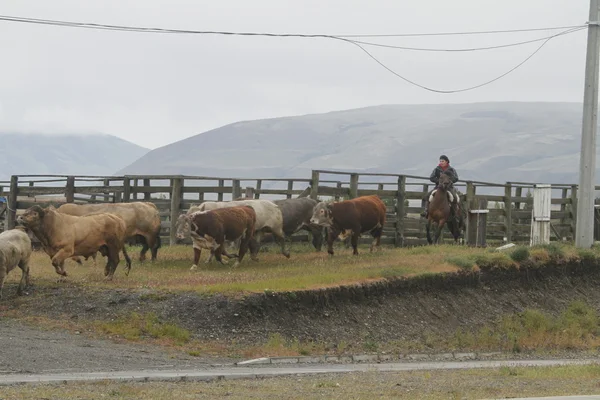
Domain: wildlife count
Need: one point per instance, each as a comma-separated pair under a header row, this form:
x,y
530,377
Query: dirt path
x,y
26,349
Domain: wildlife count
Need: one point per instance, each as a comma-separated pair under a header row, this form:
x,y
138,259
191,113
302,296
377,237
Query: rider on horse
x,y
443,168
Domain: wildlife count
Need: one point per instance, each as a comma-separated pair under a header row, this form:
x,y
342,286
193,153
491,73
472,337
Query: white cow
x,y
15,249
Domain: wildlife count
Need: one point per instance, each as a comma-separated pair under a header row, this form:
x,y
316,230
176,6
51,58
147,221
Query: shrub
x,y
520,254
461,262
490,261
555,251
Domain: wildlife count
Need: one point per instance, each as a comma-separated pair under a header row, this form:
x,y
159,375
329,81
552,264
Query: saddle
x,y
450,196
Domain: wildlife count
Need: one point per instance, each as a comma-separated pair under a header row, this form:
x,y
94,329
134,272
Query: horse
x,y
439,212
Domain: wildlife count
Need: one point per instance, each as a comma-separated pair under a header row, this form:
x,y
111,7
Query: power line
x,y
461,33
343,38
467,88
500,46
187,31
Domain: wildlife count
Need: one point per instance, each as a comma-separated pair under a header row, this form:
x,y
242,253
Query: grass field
x,y
305,269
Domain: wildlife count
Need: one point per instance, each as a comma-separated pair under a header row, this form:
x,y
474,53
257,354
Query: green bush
x,y
555,251
520,254
489,261
461,262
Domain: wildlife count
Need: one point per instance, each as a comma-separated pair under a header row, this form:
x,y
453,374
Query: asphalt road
x,y
238,372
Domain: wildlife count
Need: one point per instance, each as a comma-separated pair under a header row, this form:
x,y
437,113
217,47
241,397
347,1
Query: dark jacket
x,y
437,171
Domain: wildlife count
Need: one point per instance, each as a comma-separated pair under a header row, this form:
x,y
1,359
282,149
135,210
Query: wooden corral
x,y
508,218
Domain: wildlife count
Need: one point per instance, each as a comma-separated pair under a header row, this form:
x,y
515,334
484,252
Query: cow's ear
x,y
330,206
38,210
193,226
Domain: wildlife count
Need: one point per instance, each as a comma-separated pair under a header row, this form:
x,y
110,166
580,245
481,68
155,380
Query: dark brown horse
x,y
439,213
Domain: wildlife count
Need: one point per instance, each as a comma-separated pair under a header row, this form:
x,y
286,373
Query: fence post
x,y
469,200
220,194
540,217
126,189
258,187
249,192
70,189
353,192
176,197
314,185
106,184
477,223
11,213
573,209
508,211
400,211
236,189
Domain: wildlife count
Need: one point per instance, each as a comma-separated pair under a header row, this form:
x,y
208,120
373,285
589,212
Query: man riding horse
x,y
444,168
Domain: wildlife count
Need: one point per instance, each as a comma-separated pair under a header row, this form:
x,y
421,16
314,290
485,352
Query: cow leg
x,y
58,261
254,245
127,261
332,234
154,244
113,260
24,265
280,237
244,244
317,237
376,238
77,260
354,241
197,252
218,252
2,279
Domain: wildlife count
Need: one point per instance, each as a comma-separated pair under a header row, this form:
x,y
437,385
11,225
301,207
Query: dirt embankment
x,y
395,309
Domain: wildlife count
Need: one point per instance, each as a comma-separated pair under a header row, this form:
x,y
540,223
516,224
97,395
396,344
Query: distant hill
x,y
39,154
497,142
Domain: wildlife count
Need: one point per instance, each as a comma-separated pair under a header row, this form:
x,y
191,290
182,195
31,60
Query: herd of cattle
x,y
83,230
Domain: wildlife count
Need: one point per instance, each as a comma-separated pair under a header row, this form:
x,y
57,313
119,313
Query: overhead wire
x,y
343,38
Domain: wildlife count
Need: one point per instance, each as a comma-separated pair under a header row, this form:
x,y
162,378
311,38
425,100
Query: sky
x,y
153,89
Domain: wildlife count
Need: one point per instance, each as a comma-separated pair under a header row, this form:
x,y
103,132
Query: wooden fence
x,y
508,218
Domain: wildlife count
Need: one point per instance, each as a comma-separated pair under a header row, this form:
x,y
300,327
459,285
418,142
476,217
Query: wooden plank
x,y
508,212
384,193
314,184
70,189
176,197
400,211
353,191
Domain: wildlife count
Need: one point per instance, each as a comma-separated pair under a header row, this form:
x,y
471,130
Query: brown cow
x,y
211,229
359,215
141,218
63,236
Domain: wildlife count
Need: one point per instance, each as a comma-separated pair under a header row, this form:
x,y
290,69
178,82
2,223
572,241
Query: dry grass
x,y
430,385
304,270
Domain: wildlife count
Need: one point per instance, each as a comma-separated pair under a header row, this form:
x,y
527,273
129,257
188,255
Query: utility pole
x,y
584,235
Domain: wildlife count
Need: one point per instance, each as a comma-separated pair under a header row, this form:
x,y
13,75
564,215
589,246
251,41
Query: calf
x,y
211,229
15,249
359,215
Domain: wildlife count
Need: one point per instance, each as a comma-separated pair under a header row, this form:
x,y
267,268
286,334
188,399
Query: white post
x,y
584,227
540,216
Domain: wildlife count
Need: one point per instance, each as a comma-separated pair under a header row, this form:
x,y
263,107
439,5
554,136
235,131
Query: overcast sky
x,y
156,89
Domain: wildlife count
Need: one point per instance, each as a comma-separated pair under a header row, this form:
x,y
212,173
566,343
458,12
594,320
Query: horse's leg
x,y
438,232
428,227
